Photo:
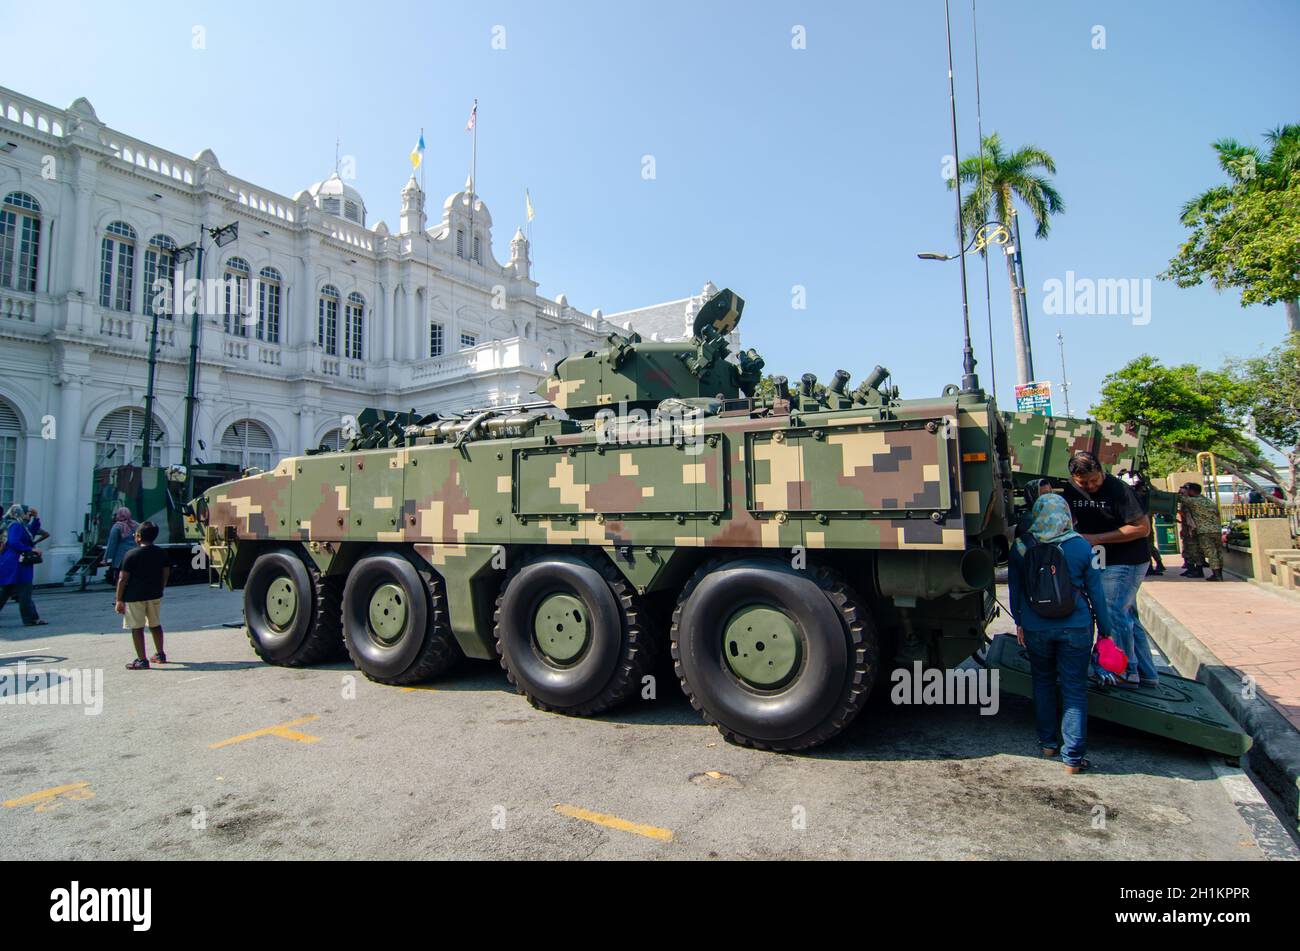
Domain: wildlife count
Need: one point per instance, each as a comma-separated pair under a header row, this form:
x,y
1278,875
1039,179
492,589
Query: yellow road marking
x,y
42,800
419,689
614,822
283,731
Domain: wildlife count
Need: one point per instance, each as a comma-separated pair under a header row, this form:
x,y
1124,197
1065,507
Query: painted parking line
x,y
48,799
284,731
614,822
419,690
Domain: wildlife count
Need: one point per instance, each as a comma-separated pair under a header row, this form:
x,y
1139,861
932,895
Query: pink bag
x,y
1110,657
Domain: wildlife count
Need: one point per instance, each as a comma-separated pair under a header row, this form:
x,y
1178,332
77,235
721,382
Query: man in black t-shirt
x,y
141,579
1109,516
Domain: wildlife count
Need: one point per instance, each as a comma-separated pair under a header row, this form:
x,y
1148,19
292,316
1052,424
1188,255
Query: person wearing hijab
x,y
17,564
121,539
1060,649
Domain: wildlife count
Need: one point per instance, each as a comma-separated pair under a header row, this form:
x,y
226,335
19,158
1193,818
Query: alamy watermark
x,y
1099,297
25,686
966,686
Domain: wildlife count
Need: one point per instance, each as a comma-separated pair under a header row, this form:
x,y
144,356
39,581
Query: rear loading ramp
x,y
1179,709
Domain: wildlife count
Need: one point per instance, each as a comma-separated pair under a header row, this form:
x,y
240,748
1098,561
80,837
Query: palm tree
x,y
999,179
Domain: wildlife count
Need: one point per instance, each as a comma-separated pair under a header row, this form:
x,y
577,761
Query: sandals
x,y
1080,767
1049,752
138,664
158,658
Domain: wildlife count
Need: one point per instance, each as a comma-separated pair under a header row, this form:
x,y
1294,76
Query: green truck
x,y
783,551
154,493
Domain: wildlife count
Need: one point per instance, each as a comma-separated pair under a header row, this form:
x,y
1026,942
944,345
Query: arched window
x,y
268,305
333,440
355,334
11,432
238,303
117,266
159,273
20,240
435,339
248,445
327,332
119,439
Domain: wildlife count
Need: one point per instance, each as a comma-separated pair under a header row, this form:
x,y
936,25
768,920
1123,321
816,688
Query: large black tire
x,y
836,656
313,634
619,649
422,646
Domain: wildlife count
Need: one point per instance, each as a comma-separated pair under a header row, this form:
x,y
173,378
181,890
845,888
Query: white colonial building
x,y
318,313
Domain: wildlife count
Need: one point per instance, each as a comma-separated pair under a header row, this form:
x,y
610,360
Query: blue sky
x,y
775,167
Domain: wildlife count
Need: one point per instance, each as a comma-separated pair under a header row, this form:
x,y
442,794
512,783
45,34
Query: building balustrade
x,y
15,306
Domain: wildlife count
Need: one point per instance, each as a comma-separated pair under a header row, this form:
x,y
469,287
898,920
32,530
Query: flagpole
x,y
473,178
422,163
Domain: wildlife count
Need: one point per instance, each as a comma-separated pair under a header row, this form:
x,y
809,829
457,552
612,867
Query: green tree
x,y
1267,396
999,179
1187,410
1245,233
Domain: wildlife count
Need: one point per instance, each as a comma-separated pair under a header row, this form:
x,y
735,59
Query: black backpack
x,y
1048,588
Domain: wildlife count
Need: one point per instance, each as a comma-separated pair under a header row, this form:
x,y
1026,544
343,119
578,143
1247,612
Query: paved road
x,y
469,769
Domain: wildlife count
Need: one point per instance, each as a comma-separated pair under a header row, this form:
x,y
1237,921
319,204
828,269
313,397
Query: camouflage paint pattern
x,y
837,480
1042,445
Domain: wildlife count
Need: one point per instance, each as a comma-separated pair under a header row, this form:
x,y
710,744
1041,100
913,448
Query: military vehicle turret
x,y
781,544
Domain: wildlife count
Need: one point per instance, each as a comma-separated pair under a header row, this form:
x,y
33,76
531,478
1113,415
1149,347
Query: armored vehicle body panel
x,y
780,548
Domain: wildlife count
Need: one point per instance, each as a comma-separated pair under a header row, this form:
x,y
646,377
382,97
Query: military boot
x,y
1216,575
1196,571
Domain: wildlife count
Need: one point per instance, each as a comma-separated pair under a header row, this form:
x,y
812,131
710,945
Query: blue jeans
x,y
1121,583
1059,657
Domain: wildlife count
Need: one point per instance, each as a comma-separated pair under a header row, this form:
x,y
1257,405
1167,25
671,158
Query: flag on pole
x,y
473,114
417,153
528,205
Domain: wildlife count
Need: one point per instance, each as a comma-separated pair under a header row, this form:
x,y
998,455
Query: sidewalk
x,y
1221,634
1244,625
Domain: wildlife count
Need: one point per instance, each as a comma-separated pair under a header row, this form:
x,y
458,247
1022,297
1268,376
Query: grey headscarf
x,y
15,513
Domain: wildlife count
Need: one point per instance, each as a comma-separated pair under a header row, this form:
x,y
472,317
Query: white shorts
x,y
142,614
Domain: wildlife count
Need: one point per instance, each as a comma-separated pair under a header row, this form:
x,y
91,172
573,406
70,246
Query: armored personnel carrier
x,y
780,547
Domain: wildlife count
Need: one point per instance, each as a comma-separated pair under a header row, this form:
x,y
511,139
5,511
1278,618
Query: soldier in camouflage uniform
x,y
1193,565
1201,521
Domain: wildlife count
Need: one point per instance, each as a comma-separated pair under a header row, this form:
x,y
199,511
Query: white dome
x,y
336,197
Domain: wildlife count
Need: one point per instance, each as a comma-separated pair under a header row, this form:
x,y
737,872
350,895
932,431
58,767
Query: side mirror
x,y
177,474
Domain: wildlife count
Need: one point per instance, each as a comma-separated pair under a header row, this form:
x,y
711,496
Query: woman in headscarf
x,y
121,539
17,564
1059,648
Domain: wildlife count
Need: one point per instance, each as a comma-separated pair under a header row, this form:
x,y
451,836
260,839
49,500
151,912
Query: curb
x,y
1275,755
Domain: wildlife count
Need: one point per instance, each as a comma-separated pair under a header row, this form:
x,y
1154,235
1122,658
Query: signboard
x,y
1034,397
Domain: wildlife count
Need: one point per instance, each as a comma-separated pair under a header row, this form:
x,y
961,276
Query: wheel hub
x,y
281,602
761,646
388,612
561,627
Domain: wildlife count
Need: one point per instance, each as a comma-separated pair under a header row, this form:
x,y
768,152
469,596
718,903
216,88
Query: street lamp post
x,y
146,454
221,237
